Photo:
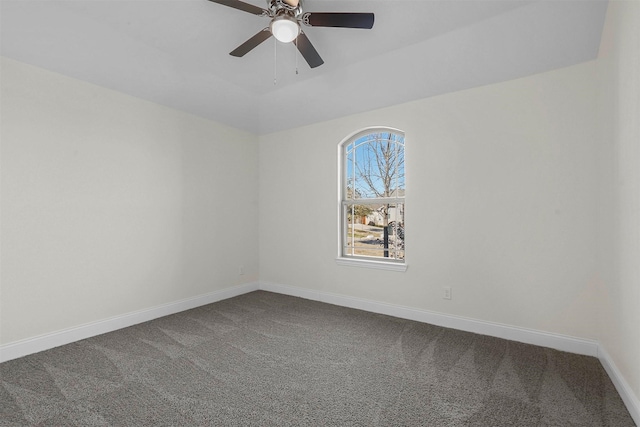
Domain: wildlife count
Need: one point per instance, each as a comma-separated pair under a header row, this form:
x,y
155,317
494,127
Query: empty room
x,y
320,213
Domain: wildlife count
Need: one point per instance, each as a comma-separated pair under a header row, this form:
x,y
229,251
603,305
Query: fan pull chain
x,y
275,61
296,55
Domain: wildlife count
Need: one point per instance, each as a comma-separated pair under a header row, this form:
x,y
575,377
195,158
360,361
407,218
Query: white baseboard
x,y
529,336
44,342
625,391
560,342
55,339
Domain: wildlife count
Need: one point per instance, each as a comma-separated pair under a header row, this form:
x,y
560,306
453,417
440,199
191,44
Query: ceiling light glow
x,y
284,28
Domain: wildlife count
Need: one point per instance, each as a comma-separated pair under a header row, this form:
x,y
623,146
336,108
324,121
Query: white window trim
x,y
352,261
368,263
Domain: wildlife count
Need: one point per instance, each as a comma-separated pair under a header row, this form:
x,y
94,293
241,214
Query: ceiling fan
x,y
286,17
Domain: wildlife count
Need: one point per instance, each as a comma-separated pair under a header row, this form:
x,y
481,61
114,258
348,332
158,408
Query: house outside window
x,y
372,199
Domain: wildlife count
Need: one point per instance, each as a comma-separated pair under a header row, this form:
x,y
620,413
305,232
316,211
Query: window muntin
x,y
372,192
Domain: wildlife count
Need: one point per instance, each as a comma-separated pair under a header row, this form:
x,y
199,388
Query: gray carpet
x,y
265,359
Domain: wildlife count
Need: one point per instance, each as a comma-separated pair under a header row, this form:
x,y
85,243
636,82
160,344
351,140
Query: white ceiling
x,y
175,52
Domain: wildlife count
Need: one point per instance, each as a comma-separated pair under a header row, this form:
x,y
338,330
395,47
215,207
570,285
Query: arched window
x,y
372,198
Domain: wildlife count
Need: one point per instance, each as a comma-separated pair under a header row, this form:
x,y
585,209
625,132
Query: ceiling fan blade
x,y
254,41
307,50
240,5
338,19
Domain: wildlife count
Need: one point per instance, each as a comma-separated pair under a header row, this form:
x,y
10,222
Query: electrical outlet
x,y
447,292
241,270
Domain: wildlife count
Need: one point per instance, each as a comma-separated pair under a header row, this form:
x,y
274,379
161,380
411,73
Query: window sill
x,y
365,263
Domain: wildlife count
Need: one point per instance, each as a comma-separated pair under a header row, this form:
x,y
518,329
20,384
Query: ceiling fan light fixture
x,y
284,28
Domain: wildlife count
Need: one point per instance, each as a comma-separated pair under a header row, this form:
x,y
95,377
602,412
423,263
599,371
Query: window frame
x,y
355,260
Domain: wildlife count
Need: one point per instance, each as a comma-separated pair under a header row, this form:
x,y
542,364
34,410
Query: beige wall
x,y
501,204
111,204
619,102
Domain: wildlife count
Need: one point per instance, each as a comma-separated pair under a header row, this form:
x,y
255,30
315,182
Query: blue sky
x,y
365,159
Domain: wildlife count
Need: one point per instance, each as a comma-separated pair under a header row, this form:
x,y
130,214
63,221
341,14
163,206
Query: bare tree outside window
x,y
373,195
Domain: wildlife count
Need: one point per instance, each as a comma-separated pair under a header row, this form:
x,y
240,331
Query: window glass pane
x,y
399,176
365,231
350,177
376,166
396,230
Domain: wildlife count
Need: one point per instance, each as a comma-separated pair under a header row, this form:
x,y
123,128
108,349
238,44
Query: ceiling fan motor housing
x,y
279,7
